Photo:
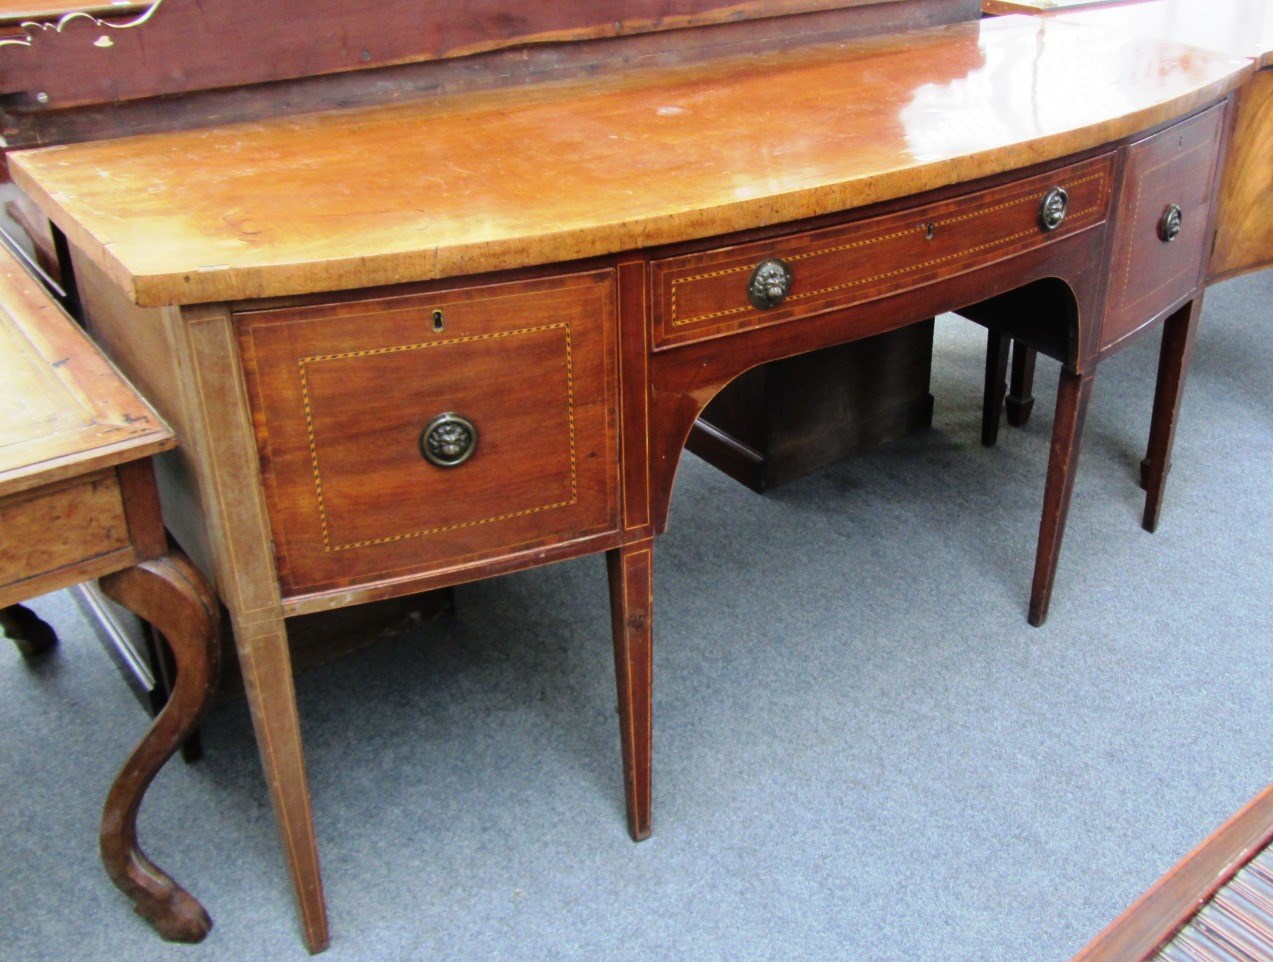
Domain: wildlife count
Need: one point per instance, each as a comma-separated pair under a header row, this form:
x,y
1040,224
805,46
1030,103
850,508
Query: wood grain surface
x,y
507,179
66,410
704,294
1148,274
1244,229
343,394
237,42
17,11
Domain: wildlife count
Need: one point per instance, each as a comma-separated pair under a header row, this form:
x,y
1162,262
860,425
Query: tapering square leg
x,y
1072,397
631,571
1020,401
1180,330
995,389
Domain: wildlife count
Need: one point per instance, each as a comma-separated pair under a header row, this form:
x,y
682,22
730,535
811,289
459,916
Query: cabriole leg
x,y
172,596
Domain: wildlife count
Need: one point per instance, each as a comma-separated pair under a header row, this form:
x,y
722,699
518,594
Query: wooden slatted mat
x,y
1236,925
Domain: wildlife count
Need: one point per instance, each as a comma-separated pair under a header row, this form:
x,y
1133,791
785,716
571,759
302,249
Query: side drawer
x,y
705,295
347,400
1154,264
62,525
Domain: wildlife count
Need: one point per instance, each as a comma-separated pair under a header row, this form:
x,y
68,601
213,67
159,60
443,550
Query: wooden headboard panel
x,y
186,62
180,46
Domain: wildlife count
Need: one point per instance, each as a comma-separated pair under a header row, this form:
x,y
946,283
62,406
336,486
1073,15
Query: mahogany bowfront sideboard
x,y
416,344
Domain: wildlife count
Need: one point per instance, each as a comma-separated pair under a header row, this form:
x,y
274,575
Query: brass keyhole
x,y
929,230
438,323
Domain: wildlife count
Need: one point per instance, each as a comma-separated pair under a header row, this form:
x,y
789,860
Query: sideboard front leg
x,y
1179,333
1072,396
170,594
631,570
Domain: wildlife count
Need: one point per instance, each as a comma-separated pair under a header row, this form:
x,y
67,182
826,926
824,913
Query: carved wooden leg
x,y
631,570
996,371
171,595
1020,401
27,630
164,670
1179,333
1072,396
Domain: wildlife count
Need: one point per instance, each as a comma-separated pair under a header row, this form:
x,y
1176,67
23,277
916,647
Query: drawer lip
x,y
670,273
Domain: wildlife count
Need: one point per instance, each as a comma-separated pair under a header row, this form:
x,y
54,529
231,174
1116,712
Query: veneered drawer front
x,y
1175,167
705,295
344,394
61,526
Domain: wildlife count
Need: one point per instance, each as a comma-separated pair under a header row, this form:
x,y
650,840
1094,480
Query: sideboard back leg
x,y
1020,400
1180,330
27,630
170,594
631,571
1072,396
996,372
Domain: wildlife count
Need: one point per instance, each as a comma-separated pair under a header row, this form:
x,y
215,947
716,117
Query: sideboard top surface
x,y
556,172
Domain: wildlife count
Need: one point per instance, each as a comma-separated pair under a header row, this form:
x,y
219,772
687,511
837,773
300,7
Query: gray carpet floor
x,y
862,751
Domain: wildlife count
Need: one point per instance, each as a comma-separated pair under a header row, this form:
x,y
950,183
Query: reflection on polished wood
x,y
401,193
1000,8
1240,28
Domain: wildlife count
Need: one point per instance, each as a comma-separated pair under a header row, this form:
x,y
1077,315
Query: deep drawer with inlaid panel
x,y
718,292
430,431
1164,219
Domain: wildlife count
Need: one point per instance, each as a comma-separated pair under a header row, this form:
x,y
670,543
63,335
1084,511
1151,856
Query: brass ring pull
x,y
770,284
448,440
1052,210
1169,226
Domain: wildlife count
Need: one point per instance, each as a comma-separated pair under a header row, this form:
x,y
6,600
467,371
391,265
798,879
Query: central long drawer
x,y
706,294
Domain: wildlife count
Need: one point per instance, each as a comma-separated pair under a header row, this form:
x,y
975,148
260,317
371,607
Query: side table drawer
x,y
708,294
1162,222
61,526
430,431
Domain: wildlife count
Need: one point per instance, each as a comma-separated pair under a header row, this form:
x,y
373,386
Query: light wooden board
x,y
65,410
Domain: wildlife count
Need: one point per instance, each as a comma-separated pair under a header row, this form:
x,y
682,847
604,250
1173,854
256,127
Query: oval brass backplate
x,y
1169,226
448,440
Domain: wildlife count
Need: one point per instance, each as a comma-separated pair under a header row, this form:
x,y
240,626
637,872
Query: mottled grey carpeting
x,y
862,751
